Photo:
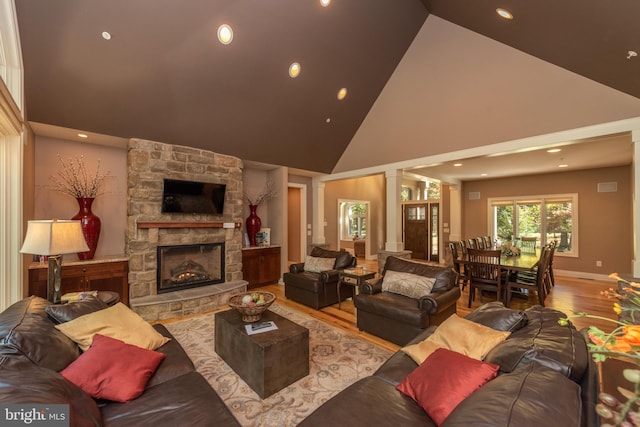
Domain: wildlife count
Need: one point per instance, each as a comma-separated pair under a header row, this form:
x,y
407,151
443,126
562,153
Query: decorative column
x,y
393,245
318,238
455,213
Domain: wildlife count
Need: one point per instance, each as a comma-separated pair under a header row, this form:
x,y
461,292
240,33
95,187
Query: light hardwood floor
x,y
570,294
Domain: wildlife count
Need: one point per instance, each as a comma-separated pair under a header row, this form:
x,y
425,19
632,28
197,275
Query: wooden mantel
x,y
189,224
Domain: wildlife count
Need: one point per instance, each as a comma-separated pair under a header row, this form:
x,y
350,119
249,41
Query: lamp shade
x,y
54,237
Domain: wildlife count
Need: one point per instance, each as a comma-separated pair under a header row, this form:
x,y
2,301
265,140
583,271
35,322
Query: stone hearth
x,y
148,164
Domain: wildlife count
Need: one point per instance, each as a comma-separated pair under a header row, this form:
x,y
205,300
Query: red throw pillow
x,y
444,380
111,369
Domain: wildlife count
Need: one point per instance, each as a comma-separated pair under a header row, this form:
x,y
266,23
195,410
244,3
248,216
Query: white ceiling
x,y
604,151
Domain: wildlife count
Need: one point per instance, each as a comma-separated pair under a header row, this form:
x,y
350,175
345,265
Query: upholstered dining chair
x,y
484,272
528,244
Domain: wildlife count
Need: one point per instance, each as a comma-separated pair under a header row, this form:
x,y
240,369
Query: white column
x,y
635,137
455,213
318,213
394,211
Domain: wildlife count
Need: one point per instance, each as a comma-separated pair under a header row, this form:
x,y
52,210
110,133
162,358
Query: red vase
x,y
253,225
90,226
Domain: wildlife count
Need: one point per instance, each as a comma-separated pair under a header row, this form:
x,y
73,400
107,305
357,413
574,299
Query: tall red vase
x,y
90,226
253,224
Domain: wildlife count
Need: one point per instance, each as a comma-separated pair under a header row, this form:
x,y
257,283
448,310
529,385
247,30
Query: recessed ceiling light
x,y
83,135
325,3
564,165
294,70
328,120
225,34
457,165
554,150
342,93
504,13
106,35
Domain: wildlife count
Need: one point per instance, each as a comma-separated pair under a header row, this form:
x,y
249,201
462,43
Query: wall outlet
x,y
598,263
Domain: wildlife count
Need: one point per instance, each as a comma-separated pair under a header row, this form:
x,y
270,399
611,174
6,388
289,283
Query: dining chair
x,y
485,273
480,243
462,249
458,267
473,243
552,279
488,244
528,244
522,282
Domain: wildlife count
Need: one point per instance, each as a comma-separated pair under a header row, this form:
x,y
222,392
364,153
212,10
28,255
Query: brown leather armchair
x,y
398,318
318,290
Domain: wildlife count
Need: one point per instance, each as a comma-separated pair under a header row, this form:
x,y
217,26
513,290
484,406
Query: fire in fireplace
x,y
189,266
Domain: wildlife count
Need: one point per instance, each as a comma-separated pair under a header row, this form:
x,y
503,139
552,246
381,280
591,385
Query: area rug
x,y
337,359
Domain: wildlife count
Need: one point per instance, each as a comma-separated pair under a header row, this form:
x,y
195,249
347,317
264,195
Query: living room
x,y
547,106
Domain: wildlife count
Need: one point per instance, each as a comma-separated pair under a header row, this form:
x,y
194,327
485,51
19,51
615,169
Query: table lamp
x,y
54,238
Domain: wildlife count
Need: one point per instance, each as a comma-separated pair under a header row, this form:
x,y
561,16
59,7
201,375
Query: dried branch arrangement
x,y
268,193
74,180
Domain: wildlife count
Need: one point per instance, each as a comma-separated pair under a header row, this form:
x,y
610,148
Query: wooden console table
x,y
106,274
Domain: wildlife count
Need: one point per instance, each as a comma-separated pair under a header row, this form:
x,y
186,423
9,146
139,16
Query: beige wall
x,y
371,189
605,219
110,205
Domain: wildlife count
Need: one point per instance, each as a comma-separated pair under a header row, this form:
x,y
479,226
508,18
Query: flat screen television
x,y
192,197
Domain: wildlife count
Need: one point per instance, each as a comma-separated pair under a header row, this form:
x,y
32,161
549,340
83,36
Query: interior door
x,y
416,230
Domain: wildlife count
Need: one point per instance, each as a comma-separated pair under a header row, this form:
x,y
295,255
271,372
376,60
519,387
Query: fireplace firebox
x,y
189,266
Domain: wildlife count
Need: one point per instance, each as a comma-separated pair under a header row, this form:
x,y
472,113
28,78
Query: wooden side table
x,y
353,277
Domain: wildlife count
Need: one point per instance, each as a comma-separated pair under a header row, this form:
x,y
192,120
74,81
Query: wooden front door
x,y
416,230
422,230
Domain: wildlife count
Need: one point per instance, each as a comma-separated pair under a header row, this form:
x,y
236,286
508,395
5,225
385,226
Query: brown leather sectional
x,y
546,378
32,352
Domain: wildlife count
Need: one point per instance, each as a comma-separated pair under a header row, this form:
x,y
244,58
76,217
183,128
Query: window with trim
x,y
546,218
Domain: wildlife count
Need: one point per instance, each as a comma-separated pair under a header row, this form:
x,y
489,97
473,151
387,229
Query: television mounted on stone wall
x,y
192,197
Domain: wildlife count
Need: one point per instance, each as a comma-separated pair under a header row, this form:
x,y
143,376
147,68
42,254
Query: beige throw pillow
x,y
116,322
407,284
318,264
460,335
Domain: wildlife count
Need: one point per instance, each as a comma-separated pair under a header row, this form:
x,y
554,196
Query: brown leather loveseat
x,y
398,318
318,289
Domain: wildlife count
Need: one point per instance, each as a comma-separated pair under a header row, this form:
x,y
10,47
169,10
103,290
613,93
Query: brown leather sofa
x,y
32,352
546,378
398,318
318,290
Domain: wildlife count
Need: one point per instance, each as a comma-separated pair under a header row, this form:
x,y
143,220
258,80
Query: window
x,y
546,218
353,220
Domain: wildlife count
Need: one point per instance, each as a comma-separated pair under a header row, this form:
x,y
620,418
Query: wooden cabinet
x,y
101,275
261,266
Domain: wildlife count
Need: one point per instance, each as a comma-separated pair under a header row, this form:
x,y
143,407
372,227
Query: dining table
x,y
525,261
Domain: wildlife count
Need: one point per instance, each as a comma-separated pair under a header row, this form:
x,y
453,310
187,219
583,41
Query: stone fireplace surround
x,y
148,163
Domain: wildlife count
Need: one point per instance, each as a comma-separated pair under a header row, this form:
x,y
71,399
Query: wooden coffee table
x,y
269,361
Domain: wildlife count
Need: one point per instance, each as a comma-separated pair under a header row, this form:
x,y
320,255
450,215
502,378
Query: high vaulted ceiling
x,y
164,76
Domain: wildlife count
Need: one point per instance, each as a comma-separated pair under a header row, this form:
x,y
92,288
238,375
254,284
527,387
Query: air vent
x,y
607,187
474,195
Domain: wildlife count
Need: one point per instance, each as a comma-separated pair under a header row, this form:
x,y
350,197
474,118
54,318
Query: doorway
x,y
353,226
296,228
422,230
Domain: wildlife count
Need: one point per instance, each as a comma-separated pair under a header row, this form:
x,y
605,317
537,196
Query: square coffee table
x,y
268,361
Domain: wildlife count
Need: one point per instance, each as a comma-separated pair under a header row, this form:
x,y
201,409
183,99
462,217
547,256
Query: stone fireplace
x,y
150,232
